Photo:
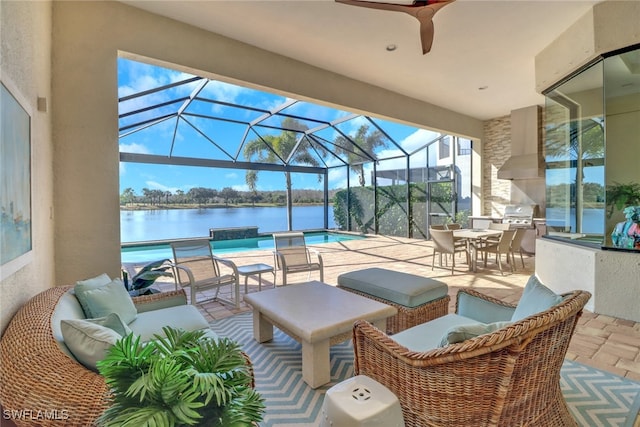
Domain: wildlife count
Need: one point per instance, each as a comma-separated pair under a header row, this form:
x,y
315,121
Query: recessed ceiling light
x,y
391,47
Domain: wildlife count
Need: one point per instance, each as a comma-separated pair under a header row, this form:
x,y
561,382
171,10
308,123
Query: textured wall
x,y
25,52
495,151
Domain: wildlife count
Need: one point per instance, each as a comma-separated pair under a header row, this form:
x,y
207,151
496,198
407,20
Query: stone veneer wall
x,y
496,193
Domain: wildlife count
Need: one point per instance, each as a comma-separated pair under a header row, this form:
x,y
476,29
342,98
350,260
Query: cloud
x,y
153,185
240,187
134,148
231,175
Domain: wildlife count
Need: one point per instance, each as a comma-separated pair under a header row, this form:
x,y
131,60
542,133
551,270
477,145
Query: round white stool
x,y
361,401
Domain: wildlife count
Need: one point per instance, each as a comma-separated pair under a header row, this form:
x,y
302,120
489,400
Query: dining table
x,y
474,238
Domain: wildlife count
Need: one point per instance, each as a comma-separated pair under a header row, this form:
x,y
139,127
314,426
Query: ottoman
x,y
417,298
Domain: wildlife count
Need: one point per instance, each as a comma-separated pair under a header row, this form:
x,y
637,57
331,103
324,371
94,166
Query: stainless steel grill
x,y
519,215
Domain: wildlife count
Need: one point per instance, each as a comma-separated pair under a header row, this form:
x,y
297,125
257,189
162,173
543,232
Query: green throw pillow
x,y
536,298
88,340
85,285
110,298
461,333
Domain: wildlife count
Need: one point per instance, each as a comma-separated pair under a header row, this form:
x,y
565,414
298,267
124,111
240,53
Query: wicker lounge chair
x,y
510,377
37,375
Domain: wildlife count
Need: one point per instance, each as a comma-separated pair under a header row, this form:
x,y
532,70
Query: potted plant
x,y
621,195
183,379
139,284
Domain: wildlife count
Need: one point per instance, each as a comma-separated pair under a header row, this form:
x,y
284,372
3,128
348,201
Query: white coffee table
x,y
318,316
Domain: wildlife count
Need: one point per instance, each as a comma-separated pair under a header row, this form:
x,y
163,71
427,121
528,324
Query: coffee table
x,y
317,315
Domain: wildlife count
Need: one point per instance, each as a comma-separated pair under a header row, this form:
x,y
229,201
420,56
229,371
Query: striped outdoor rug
x,y
596,398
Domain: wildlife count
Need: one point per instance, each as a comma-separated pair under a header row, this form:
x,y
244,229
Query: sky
x,y
135,77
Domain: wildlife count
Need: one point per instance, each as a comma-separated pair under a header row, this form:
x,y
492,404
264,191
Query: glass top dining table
x,y
474,237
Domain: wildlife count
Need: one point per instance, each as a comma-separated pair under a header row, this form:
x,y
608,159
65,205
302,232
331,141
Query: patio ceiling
x,y
194,121
481,63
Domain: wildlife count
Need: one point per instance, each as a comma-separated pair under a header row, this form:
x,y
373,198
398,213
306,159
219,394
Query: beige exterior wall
x,y
25,52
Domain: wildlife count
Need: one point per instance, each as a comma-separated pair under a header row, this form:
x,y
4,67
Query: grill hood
x,y
526,159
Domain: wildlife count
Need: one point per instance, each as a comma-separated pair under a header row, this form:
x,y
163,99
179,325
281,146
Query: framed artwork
x,y
15,182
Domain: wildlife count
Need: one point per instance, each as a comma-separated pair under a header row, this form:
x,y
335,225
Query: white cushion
x,y
427,336
90,341
185,317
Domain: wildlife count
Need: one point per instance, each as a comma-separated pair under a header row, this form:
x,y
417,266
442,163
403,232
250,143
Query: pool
x,y
141,252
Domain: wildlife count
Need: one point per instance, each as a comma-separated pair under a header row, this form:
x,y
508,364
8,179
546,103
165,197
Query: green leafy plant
x,y
183,379
621,195
146,277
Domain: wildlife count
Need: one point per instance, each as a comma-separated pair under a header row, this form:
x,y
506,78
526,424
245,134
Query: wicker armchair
x,y
36,375
510,377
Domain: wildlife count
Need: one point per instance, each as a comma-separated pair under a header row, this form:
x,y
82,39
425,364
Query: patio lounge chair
x,y
508,377
196,267
291,255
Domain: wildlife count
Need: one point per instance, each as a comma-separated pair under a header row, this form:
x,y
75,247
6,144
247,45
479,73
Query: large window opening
x,y
199,154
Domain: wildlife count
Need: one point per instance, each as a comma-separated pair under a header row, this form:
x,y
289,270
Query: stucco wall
x,y
25,52
611,276
86,39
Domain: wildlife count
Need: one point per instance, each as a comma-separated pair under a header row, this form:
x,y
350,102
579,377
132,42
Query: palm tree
x,y
127,196
277,149
359,149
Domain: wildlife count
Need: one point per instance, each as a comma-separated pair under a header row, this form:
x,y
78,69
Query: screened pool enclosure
x,y
254,147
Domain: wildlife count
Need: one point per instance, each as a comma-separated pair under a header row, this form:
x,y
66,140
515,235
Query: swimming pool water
x,y
151,252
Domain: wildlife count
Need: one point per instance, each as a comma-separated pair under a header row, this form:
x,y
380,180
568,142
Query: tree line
x,y
202,196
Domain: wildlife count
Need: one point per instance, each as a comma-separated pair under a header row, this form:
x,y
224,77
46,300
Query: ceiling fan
x,y
423,11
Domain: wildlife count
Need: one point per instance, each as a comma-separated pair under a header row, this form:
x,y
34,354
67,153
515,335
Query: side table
x,y
255,269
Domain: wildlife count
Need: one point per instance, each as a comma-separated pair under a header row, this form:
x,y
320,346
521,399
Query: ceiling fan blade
x,y
426,35
421,10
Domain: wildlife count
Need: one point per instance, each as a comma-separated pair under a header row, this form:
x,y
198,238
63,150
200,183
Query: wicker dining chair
x,y
499,248
445,244
510,377
516,246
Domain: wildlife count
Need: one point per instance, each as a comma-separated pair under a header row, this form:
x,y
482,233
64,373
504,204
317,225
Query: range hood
x,y
526,161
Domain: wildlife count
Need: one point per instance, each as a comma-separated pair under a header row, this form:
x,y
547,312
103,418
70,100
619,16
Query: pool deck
x,y
604,342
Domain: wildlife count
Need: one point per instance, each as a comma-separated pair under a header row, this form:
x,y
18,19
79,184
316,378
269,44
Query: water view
x,y
166,224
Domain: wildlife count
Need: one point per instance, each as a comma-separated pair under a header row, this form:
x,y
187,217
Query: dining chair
x,y
501,247
444,243
196,267
291,255
459,242
498,227
516,246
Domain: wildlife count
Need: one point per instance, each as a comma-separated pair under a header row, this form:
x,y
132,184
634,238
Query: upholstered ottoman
x,y
418,299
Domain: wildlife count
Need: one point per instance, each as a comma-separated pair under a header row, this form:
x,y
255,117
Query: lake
x,y
164,224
